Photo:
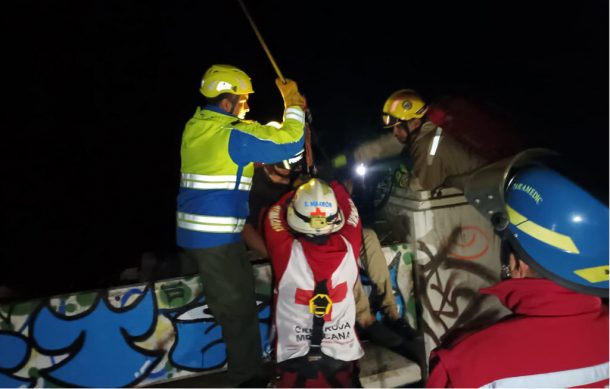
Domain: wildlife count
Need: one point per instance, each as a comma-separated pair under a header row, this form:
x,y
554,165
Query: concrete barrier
x,y
455,253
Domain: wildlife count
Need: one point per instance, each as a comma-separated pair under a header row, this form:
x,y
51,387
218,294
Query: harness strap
x,y
319,305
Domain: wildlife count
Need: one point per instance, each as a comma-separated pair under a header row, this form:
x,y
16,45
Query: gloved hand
x,y
290,93
339,161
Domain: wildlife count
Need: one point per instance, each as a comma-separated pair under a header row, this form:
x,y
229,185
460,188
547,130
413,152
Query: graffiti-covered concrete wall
x,y
133,335
456,253
125,336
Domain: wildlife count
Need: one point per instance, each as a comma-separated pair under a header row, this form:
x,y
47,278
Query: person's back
x,y
313,239
556,338
269,184
436,156
555,239
217,153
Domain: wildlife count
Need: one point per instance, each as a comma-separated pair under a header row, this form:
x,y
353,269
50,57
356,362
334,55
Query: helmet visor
x,y
390,121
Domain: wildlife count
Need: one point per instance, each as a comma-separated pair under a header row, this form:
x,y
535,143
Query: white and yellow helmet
x,y
220,79
314,210
403,105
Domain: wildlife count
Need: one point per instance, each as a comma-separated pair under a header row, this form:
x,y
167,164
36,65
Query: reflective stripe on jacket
x,y
434,156
216,171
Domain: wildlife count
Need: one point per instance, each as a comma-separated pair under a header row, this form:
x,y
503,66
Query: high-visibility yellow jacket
x,y
217,153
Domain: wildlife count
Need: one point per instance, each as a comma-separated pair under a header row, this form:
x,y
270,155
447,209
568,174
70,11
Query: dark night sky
x,y
103,91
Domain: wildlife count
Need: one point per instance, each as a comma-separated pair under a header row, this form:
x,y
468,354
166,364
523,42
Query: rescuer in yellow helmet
x,y
217,154
403,106
431,155
434,154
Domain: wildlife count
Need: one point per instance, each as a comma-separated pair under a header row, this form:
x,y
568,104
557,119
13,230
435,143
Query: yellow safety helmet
x,y
404,104
220,79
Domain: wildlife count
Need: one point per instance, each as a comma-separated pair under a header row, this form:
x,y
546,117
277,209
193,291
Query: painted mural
x,y
127,336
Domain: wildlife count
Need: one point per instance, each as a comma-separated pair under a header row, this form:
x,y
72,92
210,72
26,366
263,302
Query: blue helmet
x,y
555,226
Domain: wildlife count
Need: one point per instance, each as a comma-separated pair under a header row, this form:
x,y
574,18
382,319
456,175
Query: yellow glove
x,y
290,93
339,161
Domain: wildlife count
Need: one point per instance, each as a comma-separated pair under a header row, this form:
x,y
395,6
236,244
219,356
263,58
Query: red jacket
x,y
556,338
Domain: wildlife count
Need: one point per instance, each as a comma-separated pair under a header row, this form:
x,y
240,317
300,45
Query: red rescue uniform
x,y
556,338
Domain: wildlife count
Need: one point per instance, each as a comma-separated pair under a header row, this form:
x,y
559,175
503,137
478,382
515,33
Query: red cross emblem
x,y
317,212
336,295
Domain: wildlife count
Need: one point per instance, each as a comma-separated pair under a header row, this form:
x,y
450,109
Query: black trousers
x,y
228,285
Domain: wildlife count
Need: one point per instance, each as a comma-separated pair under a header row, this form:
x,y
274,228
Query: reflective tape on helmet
x,y
543,234
594,274
296,114
217,224
200,181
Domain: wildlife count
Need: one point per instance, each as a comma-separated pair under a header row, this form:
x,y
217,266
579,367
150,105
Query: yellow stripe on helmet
x,y
594,274
543,234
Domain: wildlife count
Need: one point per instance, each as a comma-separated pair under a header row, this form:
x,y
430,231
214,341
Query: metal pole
x,y
262,41
308,150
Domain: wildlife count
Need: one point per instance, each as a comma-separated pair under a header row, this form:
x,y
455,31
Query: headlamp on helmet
x,y
390,121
